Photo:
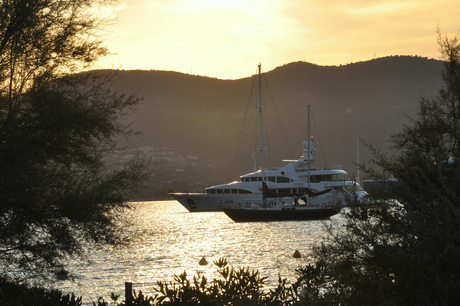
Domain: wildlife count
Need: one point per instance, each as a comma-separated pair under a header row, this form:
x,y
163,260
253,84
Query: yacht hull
x,y
202,202
196,201
288,214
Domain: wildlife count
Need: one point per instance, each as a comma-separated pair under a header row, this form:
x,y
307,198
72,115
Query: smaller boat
x,y
315,205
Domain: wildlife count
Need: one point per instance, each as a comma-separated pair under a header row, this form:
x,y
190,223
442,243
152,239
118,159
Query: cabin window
x,y
244,191
221,191
319,178
283,179
327,177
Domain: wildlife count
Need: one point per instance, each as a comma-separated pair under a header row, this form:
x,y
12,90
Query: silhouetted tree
x,y
404,250
57,192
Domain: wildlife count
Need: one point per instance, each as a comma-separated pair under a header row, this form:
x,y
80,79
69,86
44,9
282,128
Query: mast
x,y
309,149
358,179
261,125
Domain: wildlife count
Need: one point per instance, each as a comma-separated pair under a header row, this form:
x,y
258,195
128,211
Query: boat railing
x,y
331,167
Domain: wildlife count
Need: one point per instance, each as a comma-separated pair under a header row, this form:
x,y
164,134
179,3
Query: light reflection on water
x,y
177,240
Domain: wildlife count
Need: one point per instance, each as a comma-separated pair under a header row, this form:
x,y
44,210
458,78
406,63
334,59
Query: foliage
x,y
403,250
22,295
237,286
233,287
57,192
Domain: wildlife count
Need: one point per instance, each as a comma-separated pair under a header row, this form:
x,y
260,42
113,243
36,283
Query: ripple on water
x,y
173,240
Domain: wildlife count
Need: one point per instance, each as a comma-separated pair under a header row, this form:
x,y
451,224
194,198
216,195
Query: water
x,y
176,240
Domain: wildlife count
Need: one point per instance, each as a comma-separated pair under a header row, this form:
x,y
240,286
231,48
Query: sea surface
x,y
172,240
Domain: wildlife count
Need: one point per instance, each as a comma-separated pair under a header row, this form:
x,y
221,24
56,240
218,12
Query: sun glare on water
x,y
170,240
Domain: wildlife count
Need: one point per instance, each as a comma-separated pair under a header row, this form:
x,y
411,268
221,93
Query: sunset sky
x,y
228,39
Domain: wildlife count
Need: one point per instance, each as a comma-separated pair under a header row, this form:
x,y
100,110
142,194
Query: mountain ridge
x,y
202,116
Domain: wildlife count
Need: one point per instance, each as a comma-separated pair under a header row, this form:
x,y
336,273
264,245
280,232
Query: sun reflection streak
x,y
173,241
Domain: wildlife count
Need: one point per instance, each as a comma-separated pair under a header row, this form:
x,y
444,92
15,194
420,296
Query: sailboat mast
x,y
357,161
261,124
309,149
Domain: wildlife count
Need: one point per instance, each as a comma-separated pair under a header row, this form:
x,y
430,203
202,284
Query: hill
x,y
191,124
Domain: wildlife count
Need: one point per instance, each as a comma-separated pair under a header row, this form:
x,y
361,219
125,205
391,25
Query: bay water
x,y
172,240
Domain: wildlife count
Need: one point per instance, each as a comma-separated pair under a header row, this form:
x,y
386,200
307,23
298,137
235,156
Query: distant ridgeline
x,y
202,117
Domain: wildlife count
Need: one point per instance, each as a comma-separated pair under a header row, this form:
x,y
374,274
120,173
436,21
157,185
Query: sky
x,y
227,39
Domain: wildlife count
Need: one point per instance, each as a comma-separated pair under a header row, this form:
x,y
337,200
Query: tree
x,y
404,250
57,191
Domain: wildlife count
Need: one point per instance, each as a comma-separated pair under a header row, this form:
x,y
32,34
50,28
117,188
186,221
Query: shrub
x,y
23,295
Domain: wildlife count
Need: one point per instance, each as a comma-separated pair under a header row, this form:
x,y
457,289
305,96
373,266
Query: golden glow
x,y
227,4
120,7
228,38
388,7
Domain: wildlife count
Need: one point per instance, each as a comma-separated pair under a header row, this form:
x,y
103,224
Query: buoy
x,y
203,262
296,254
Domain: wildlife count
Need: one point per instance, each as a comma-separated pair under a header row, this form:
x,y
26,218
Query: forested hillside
x,y
196,122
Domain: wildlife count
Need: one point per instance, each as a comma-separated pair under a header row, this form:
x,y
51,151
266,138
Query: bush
x,y
22,295
240,286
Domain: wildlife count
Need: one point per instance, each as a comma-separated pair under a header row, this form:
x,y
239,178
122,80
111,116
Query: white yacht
x,y
295,179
